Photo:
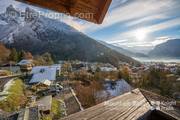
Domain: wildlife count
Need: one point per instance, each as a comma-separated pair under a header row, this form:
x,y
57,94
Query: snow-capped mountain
x,y
26,30
19,23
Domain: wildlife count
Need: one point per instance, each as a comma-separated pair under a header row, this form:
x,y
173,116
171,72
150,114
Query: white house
x,y
26,65
108,69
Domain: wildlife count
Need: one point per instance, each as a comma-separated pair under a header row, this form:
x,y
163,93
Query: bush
x,y
87,94
56,111
48,117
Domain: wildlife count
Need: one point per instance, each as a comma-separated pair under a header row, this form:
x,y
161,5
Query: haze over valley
x,y
58,63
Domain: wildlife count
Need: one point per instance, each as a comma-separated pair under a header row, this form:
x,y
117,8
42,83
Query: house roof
x,y
29,113
8,116
131,105
25,62
33,113
46,82
41,73
91,10
44,103
166,105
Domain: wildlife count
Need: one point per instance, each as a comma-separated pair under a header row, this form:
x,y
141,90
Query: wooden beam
x,y
103,10
76,8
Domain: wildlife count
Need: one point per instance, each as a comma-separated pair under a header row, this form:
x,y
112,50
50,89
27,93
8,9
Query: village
x,y
83,60
58,90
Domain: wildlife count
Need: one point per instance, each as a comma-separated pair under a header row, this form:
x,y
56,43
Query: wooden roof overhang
x,y
90,10
136,104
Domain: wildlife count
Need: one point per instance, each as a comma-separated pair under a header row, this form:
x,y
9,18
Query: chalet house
x,y
43,85
30,113
42,73
26,65
102,67
11,68
108,69
8,116
78,66
44,104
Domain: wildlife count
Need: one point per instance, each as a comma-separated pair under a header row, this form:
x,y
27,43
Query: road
x,y
4,80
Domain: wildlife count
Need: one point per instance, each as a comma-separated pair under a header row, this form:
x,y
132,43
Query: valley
x,y
127,67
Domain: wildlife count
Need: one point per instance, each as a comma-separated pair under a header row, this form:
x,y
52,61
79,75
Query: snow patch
x,y
113,89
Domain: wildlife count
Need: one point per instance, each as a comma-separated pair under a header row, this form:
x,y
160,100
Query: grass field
x,y
15,99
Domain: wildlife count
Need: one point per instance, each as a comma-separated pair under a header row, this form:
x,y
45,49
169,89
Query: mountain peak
x,y
40,34
11,11
30,14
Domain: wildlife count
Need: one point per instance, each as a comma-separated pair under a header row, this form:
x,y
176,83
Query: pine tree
x,y
21,55
27,56
47,58
13,55
4,53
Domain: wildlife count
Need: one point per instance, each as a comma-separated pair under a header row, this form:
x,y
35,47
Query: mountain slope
x,y
170,48
123,51
40,34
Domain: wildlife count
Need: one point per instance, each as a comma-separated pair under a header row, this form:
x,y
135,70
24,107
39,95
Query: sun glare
x,y
140,34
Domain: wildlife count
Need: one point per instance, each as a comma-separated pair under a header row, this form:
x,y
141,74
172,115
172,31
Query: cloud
x,y
135,44
150,41
133,10
162,39
153,28
117,41
117,3
119,12
79,25
147,19
126,17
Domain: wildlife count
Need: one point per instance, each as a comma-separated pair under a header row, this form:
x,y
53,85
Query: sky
x,y
133,24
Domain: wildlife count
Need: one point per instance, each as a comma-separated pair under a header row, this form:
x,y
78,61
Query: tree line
x,y
14,56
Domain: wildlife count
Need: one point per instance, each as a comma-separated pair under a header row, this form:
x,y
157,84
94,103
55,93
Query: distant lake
x,y
165,60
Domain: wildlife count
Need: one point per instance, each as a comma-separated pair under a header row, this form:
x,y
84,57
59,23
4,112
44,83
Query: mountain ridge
x,y
168,49
123,51
40,34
